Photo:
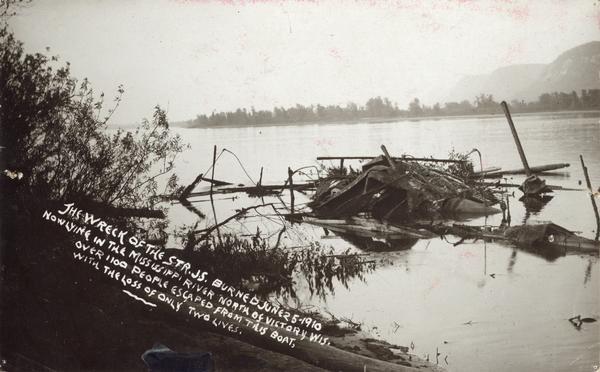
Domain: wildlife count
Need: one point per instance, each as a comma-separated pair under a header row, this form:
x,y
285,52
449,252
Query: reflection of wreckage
x,y
544,239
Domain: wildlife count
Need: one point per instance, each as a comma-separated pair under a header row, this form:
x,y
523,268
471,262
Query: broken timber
x,y
487,171
227,190
402,158
215,182
533,170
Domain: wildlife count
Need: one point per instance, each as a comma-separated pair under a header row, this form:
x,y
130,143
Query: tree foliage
x,y
378,107
55,132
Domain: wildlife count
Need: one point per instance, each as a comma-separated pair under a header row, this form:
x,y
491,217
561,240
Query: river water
x,y
483,306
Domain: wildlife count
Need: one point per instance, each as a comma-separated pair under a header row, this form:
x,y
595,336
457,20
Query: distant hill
x,y
577,68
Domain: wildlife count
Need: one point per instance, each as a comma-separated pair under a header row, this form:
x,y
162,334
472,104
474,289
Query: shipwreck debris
x,y
577,321
394,189
550,235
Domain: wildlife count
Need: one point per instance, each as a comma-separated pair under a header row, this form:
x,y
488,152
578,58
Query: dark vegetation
x,y
54,133
382,108
55,148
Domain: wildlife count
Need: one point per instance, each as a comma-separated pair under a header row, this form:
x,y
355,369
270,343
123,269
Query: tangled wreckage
x,y
399,190
391,202
400,200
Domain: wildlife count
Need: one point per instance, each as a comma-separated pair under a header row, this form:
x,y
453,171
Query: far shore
x,y
375,120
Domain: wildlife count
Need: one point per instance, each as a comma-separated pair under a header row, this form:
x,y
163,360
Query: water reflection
x,y
534,204
548,252
588,272
512,261
556,175
372,244
322,270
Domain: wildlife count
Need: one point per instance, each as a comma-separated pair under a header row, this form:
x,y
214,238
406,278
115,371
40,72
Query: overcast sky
x,y
198,56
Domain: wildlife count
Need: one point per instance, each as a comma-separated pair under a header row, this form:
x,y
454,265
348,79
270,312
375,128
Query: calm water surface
x,y
484,306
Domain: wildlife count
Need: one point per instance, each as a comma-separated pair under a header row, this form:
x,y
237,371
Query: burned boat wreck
x,y
397,190
395,202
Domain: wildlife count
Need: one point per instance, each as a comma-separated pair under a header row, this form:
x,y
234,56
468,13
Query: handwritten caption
x,y
150,275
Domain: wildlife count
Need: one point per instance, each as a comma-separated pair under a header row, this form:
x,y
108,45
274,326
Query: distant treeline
x,y
378,107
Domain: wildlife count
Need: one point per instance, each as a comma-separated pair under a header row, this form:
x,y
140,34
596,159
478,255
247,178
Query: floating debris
x,y
577,321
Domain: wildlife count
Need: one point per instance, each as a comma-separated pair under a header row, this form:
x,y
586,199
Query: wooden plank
x,y
227,190
486,171
536,169
402,158
215,182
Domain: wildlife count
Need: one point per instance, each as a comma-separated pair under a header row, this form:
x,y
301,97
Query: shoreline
x,y
378,120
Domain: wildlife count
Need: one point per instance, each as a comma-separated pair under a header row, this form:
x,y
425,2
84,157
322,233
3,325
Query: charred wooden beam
x,y
189,188
215,182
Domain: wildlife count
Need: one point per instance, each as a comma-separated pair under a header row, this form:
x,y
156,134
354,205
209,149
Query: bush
x,y
53,131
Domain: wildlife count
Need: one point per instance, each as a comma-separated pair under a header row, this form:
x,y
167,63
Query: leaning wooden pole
x,y
589,186
532,185
260,178
291,184
388,157
516,138
212,201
